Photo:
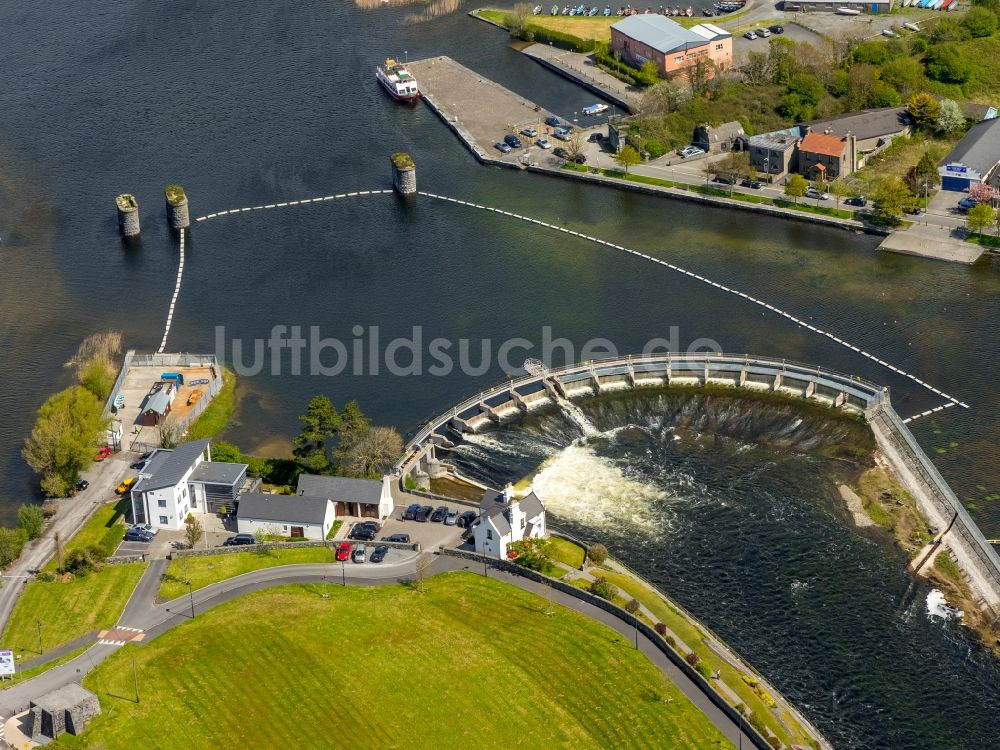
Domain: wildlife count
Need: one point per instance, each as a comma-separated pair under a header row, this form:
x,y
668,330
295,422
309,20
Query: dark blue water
x,y
266,102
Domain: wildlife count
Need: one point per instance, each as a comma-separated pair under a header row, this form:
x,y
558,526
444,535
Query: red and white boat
x,y
397,81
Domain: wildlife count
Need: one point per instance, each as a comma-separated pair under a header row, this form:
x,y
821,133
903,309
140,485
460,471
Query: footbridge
x,y
507,401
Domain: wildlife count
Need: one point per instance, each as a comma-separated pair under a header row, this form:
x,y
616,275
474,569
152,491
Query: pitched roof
x,y
658,32
709,31
778,140
531,505
282,508
171,468
493,506
979,149
218,472
865,124
158,402
820,143
349,490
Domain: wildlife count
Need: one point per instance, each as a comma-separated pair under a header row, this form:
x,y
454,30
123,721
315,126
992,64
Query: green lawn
x,y
69,609
202,571
216,415
471,662
566,552
104,529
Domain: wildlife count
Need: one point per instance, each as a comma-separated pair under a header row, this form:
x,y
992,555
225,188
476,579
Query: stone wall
x,y
330,543
651,635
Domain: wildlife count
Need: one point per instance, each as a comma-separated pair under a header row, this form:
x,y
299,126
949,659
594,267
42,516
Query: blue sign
x,y
958,168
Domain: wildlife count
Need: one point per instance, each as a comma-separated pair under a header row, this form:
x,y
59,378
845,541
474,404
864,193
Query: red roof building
x,y
825,157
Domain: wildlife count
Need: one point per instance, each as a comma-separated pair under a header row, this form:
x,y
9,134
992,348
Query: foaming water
x,y
731,506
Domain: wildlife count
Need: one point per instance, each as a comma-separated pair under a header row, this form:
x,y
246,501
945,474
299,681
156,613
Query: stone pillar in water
x,y
128,214
177,207
404,173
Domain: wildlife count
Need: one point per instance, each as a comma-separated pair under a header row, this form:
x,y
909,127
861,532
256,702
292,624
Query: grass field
x,y
216,415
202,571
471,662
585,27
566,552
104,530
67,610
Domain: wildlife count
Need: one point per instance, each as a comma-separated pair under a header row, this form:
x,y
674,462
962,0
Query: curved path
x,y
141,612
950,401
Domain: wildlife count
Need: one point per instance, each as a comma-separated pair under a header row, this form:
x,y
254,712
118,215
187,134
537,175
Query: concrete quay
x,y
583,70
932,241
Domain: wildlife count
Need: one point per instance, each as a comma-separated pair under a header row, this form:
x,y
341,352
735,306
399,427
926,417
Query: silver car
x,y
359,554
451,518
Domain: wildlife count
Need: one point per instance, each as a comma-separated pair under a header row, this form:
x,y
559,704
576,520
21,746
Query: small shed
x,y
718,139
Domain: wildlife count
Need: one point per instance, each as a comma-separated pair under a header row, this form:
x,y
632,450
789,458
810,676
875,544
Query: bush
x,y
671,641
600,587
655,149
564,41
704,670
11,543
83,560
597,553
632,606
32,520
693,659
661,629
980,22
49,508
947,63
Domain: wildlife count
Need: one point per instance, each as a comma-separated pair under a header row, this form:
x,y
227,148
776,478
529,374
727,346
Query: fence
x,y
119,381
651,635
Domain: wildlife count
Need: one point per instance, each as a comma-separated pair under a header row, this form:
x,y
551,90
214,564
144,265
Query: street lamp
x,y
343,573
190,596
39,622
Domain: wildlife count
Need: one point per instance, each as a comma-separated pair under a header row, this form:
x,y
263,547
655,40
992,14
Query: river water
x,y
260,103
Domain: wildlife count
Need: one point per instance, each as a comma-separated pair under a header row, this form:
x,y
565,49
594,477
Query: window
x,y
489,533
163,520
522,523
184,492
718,46
161,503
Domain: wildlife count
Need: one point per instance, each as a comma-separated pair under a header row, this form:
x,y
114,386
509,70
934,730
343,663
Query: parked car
x,y
812,192
362,532
401,538
411,511
561,133
750,35
857,200
595,138
125,485
966,203
343,551
560,152
239,540
689,151
465,520
138,465
724,179
148,528
752,184
102,453
513,141
378,554
358,556
138,534
553,122
440,513
502,147
82,485
529,132
451,518
424,515
763,33
776,29
543,143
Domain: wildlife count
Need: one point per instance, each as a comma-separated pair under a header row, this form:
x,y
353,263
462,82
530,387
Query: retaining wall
x,y
632,621
330,543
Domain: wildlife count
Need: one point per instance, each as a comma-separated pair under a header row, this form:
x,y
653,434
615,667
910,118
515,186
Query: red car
x,y
343,552
102,453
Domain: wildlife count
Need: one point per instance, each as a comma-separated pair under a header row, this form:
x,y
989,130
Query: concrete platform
x,y
930,241
480,111
581,68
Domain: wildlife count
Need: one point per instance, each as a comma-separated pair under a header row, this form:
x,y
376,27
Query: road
x,y
143,613
72,514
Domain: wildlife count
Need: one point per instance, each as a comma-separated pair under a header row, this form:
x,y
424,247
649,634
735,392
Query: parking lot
x,y
430,536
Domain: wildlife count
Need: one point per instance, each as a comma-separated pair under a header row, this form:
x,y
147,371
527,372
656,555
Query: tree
x,y
883,95
795,186
981,22
979,217
517,20
597,554
904,74
31,519
947,63
192,530
756,71
794,107
97,378
64,439
924,109
839,190
892,197
373,454
951,119
862,79
574,146
353,426
319,424
663,98
996,221
982,193
627,157
924,175
11,543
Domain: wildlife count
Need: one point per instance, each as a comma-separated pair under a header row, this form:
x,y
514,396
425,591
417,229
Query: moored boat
x,y
397,81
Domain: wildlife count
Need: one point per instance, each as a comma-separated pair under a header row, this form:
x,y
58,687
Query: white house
x,y
504,519
181,481
366,498
299,516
